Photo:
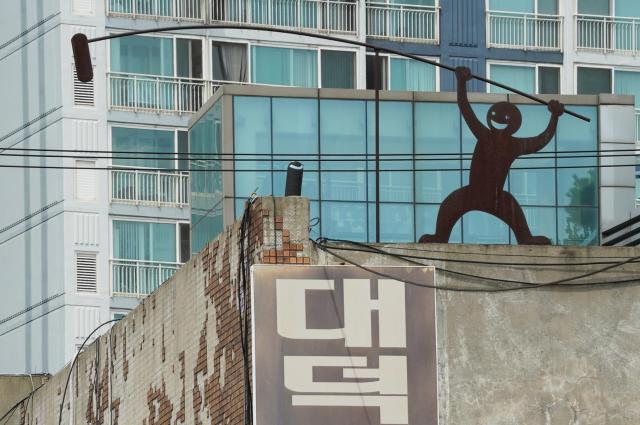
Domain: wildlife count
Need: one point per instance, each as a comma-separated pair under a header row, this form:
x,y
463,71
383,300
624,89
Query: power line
x,y
94,151
521,284
318,159
466,261
283,170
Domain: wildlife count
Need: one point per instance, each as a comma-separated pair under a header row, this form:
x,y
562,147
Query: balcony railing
x,y
181,10
137,278
318,15
608,34
150,188
149,93
420,24
526,31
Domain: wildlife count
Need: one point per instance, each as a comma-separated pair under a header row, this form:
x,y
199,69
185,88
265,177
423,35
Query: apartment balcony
x,y
418,24
137,278
333,16
524,31
336,16
137,187
150,93
180,10
608,34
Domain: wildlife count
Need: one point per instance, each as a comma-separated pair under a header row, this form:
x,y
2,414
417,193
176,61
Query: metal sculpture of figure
x,y
494,153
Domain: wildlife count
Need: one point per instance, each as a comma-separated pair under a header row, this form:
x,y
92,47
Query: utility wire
x,y
521,284
283,170
298,154
336,158
459,260
375,250
75,358
9,413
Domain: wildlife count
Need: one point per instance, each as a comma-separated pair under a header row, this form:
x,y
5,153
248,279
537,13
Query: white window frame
x,y
209,49
317,48
559,3
175,130
582,65
536,66
390,56
206,67
611,68
612,9
338,49
176,224
436,3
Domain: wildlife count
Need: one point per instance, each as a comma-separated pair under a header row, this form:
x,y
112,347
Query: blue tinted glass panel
x,y
396,137
426,217
628,8
343,131
593,7
205,137
138,240
396,222
142,55
239,207
542,222
482,228
438,145
411,75
314,222
526,6
284,66
520,77
533,187
627,82
344,220
532,177
578,226
295,137
578,187
577,135
158,146
252,140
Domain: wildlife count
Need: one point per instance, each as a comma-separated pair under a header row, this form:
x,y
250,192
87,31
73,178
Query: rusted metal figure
x,y
495,151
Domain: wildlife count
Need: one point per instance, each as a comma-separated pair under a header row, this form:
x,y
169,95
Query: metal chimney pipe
x,y
293,187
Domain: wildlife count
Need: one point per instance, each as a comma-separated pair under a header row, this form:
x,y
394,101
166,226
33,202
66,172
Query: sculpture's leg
x,y
451,209
509,211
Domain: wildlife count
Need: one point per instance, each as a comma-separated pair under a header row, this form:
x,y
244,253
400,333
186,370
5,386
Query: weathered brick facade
x,y
177,358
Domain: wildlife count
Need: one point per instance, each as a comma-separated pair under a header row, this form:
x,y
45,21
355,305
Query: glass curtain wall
x,y
205,146
558,192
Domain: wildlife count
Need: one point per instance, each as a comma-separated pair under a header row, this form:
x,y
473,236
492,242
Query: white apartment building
x,y
81,246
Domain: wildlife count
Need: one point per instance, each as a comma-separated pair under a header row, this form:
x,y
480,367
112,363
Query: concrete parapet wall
x,y
554,355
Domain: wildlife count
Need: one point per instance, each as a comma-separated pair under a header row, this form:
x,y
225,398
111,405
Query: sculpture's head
x,y
504,117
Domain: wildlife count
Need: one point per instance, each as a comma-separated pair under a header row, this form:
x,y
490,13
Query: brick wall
x,y
177,358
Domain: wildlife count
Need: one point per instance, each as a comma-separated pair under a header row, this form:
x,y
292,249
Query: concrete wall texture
x,y
542,356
